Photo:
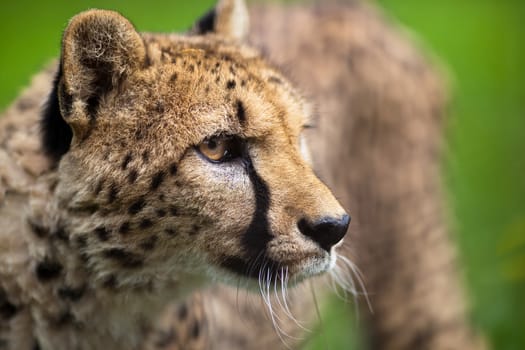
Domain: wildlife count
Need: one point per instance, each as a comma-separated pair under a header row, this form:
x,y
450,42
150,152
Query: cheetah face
x,y
184,156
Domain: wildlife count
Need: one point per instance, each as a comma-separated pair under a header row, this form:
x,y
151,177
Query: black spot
x,y
275,80
241,112
84,257
124,257
195,330
47,270
173,77
124,228
56,133
157,179
145,223
173,169
71,293
65,318
39,230
160,213
90,208
227,57
81,241
126,161
171,232
145,156
7,309
113,192
159,107
139,134
110,282
137,206
150,243
102,233
61,234
191,68
182,312
218,79
132,176
173,210
230,84
194,230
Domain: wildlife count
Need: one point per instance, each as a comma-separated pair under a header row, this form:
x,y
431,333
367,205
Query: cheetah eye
x,y
219,149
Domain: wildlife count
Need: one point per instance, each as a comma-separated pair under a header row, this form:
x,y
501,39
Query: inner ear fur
x,y
99,48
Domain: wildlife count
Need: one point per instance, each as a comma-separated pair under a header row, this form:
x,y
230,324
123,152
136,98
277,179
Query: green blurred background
x,y
483,46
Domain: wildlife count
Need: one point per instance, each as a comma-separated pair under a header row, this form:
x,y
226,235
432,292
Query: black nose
x,y
326,232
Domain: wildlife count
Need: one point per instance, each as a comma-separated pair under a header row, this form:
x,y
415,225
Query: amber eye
x,y
220,148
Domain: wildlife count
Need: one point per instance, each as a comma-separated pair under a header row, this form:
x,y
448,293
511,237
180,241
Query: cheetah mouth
x,y
264,267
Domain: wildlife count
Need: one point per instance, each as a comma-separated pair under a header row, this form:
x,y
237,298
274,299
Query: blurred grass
x,y
32,30
483,44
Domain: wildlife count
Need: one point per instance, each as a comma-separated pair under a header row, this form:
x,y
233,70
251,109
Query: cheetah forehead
x,y
222,84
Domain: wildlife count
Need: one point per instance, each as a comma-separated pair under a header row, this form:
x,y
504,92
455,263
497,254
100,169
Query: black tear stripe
x,y
55,132
258,234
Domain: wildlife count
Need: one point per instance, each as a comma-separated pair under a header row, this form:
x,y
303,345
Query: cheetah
x,y
167,162
376,96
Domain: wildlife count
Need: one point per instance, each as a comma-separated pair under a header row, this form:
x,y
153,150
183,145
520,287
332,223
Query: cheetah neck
x,y
75,299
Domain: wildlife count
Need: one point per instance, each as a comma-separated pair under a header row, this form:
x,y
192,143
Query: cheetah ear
x,y
99,48
229,18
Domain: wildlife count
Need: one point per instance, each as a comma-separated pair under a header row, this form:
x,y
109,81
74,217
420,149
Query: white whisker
x,y
275,318
284,303
360,279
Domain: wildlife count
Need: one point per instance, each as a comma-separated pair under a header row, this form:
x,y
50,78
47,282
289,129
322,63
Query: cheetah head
x,y
184,154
